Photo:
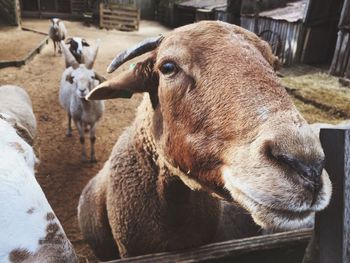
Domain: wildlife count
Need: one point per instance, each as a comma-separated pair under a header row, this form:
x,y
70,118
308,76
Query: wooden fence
x,y
331,238
340,64
121,17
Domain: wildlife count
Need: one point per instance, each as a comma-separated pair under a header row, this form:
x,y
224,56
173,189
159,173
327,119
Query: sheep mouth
x,y
274,218
82,96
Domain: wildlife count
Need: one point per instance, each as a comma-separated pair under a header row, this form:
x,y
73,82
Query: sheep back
x,y
16,103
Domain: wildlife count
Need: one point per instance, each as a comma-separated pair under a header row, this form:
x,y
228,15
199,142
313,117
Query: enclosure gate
x,y
119,16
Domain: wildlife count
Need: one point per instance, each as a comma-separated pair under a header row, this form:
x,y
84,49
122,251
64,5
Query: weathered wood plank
x,y
332,228
120,12
335,61
289,33
120,19
115,16
230,249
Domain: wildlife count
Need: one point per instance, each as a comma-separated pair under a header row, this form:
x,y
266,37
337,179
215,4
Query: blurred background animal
x,y
57,32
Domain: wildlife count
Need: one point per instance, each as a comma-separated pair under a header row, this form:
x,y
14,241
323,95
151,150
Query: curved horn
x,y
69,58
145,46
91,59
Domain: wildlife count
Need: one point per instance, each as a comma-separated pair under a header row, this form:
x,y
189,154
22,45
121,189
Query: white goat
x,y
57,32
76,82
30,231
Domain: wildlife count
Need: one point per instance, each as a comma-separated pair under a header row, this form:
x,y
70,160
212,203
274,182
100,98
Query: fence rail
x,y
284,247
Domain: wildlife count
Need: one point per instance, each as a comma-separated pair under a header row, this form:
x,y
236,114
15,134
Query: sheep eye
x,y
168,68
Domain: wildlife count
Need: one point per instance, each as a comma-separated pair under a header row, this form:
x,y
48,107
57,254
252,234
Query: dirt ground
x,y
60,173
16,43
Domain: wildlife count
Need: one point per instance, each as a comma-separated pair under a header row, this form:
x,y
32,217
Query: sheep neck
x,y
182,198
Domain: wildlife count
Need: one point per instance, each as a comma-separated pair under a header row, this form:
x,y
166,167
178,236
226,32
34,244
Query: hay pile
x,y
318,96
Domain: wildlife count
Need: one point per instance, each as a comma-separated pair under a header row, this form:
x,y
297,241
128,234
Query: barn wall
x,y
291,36
341,59
10,12
147,8
249,6
165,11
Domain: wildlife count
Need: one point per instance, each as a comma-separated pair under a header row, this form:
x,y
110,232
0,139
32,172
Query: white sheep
x,y
76,82
30,231
214,121
57,32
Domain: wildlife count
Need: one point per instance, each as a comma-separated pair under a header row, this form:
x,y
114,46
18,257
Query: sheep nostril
x,y
309,173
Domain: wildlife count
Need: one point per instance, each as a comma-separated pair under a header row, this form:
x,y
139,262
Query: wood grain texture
x,y
282,247
332,228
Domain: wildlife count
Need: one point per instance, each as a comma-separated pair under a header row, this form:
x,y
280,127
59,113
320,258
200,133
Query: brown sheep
x,y
214,121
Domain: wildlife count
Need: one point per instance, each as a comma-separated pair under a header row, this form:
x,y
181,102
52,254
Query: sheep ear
x,y
260,45
85,43
69,41
99,77
139,79
69,78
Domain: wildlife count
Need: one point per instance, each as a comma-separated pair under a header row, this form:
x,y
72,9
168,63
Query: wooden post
x,y
39,8
101,13
234,11
332,228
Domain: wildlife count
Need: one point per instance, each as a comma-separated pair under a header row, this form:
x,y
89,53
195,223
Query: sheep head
x,y
55,24
82,76
76,45
227,123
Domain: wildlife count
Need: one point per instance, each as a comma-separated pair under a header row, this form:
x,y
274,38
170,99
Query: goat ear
x,y
85,43
69,78
99,77
69,41
139,79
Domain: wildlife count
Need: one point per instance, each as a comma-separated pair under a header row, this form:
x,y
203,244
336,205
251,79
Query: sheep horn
x,y
91,60
145,46
69,58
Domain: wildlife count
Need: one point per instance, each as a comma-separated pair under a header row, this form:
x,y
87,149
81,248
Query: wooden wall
x,y
341,63
291,36
10,12
165,11
72,9
147,7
